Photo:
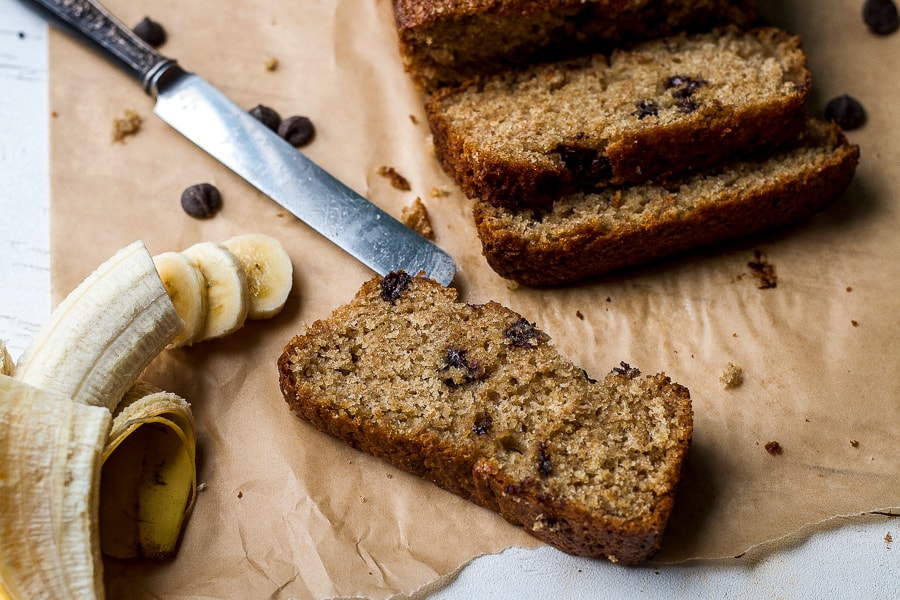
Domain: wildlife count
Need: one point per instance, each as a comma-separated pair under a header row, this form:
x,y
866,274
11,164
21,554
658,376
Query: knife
x,y
238,140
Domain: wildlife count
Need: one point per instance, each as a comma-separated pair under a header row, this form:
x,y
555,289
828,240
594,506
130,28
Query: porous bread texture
x,y
477,400
445,42
587,235
663,108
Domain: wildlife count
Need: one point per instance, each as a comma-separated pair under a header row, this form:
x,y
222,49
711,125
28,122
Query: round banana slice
x,y
270,274
187,288
227,294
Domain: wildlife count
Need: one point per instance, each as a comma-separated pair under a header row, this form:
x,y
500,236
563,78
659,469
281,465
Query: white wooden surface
x,y
851,560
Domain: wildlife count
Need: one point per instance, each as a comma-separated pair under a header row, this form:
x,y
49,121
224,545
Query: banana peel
x,y
50,461
149,477
7,366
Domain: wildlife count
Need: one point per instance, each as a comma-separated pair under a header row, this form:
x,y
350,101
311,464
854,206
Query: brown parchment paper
x,y
289,512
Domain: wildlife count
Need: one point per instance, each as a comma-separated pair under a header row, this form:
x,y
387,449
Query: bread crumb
x,y
854,323
439,192
888,539
849,289
413,119
580,315
854,443
732,377
397,180
130,124
774,448
415,216
240,494
271,63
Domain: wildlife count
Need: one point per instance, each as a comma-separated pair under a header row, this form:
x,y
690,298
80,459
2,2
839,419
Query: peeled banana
x,y
186,286
50,453
228,297
103,335
269,272
149,480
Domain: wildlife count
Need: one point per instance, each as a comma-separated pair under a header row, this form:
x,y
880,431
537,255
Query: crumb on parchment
x,y
415,216
397,180
127,125
732,377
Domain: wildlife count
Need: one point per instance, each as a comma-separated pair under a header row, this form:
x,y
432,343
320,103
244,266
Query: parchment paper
x,y
289,512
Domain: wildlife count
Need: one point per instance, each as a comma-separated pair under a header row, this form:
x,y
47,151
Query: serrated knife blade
x,y
205,116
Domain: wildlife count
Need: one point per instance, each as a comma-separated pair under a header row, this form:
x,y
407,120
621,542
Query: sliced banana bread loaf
x,y
476,399
444,42
682,103
585,235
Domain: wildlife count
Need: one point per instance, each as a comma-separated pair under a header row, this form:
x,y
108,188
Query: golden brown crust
x,y
590,248
476,463
445,42
750,112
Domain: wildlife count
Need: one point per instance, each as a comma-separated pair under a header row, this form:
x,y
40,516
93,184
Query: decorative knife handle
x,y
97,25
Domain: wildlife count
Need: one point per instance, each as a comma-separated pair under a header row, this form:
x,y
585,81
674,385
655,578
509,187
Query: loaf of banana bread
x,y
476,399
663,108
586,235
444,42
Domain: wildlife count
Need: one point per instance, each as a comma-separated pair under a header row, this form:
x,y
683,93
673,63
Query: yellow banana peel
x,y
149,477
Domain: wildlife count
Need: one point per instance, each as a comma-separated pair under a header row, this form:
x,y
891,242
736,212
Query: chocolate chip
x,y
586,164
646,108
846,111
201,201
683,88
545,467
151,32
297,131
457,358
267,116
523,334
627,370
483,424
881,16
393,285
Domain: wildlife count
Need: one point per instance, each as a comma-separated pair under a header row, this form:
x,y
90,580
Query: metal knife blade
x,y
230,134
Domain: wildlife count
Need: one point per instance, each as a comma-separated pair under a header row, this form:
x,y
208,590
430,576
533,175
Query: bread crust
x,y
646,149
445,42
592,249
469,470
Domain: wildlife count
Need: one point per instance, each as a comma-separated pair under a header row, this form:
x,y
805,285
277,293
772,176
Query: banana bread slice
x,y
444,42
586,235
476,399
523,138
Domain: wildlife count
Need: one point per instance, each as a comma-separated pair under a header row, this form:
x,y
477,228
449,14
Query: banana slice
x,y
50,452
187,288
149,480
270,274
103,335
7,365
228,297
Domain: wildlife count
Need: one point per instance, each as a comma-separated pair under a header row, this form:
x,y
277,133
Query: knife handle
x,y
96,25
